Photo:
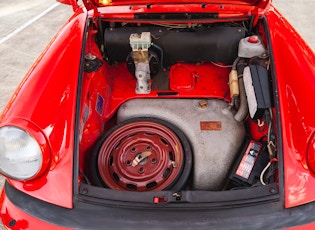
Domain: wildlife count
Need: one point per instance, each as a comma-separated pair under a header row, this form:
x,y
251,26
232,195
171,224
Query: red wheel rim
x,y
140,156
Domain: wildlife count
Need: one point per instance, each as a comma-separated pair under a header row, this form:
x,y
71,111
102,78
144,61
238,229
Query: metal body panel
x,y
294,64
46,99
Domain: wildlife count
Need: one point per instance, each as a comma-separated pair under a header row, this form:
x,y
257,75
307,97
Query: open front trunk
x,y
176,111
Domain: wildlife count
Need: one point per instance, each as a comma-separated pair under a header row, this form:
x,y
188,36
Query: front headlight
x,y
21,157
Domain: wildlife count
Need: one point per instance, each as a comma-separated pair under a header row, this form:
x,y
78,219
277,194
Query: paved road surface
x,y
27,26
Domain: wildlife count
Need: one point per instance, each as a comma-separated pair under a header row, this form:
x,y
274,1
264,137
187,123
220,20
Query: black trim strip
x,y
77,112
176,16
277,106
188,199
150,21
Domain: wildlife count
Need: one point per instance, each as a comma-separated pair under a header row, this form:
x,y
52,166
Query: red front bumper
x,y
14,218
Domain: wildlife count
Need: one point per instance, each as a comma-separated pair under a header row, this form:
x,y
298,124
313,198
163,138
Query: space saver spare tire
x,y
142,154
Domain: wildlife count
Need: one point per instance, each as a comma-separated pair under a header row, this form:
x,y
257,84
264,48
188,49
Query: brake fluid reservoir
x,y
250,47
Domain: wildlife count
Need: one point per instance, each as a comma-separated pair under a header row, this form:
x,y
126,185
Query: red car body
x,y
50,105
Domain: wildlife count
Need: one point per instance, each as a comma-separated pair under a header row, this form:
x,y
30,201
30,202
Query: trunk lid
x,y
253,5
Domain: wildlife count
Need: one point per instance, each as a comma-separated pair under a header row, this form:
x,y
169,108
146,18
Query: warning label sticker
x,y
248,161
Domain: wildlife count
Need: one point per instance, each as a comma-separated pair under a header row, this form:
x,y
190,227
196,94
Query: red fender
x,y
46,99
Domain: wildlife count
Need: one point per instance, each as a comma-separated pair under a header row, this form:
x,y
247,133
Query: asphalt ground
x,y
26,27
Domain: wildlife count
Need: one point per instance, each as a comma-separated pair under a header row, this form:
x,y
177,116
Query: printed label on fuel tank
x,y
211,125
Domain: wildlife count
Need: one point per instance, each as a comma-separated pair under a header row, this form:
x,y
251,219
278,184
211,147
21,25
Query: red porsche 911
x,y
178,114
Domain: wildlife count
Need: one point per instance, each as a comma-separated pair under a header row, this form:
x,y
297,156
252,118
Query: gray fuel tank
x,y
215,136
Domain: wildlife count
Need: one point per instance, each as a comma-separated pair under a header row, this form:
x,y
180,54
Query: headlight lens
x,y
20,155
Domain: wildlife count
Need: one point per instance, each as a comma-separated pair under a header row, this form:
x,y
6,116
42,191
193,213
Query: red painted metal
x,y
124,12
258,129
258,3
294,65
116,85
95,85
117,160
210,81
9,212
46,98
